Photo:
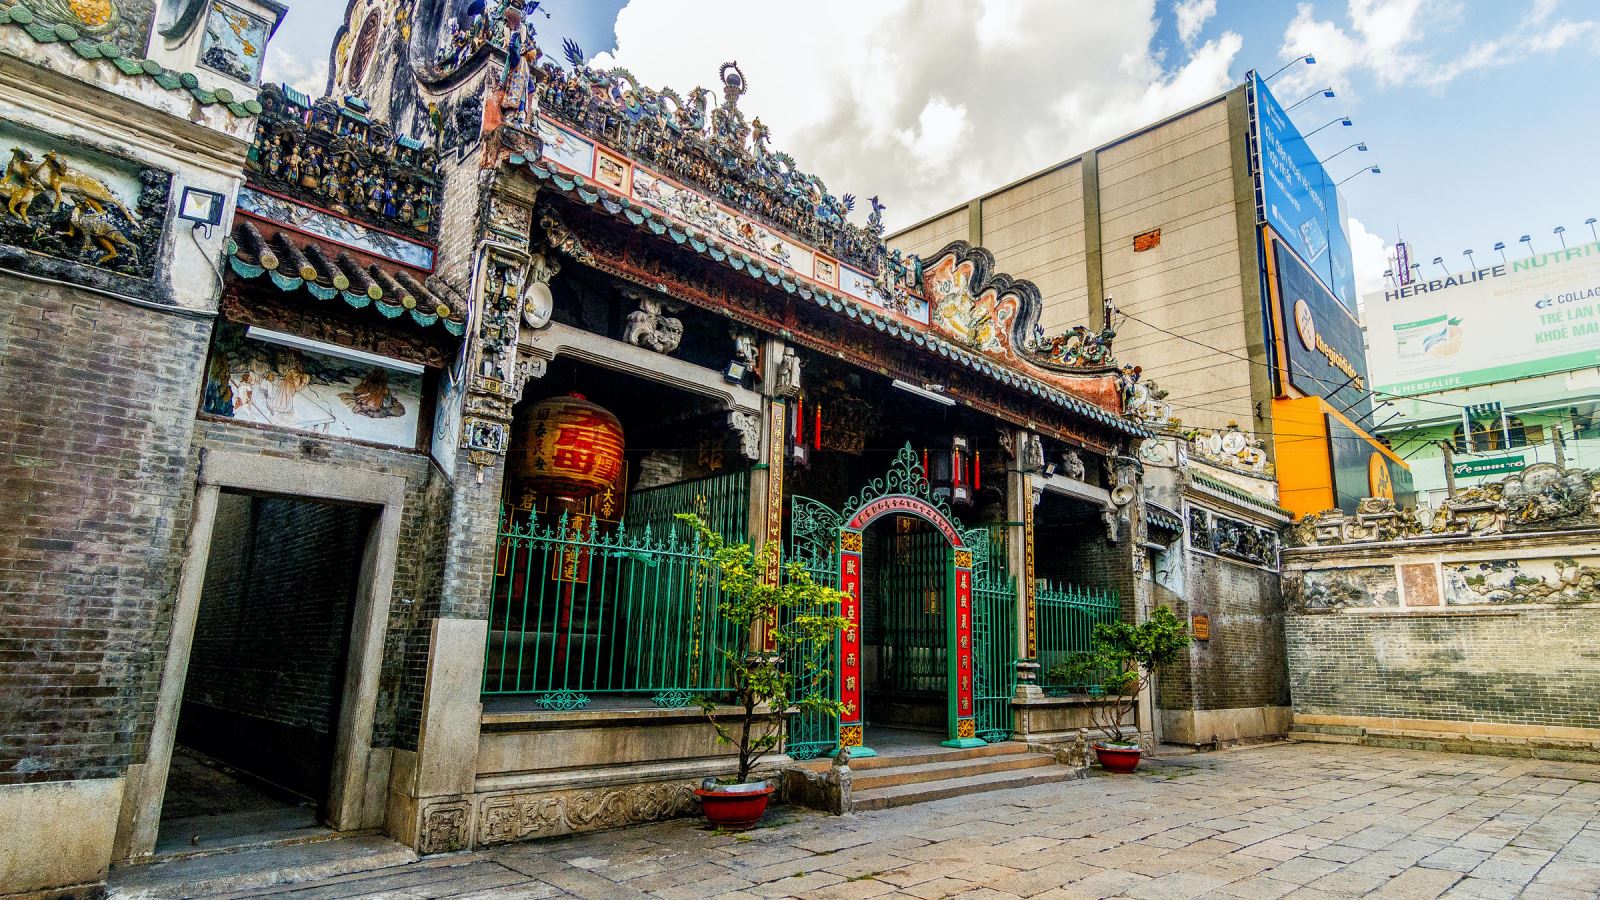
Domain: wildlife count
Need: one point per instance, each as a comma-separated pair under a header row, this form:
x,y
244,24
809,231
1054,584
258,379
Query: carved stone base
x,y
523,815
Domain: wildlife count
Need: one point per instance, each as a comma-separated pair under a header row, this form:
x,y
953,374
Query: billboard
x,y
1360,470
1322,345
1534,316
1298,198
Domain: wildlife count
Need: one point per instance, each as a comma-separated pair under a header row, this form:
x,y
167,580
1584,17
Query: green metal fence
x,y
723,501
1065,616
578,610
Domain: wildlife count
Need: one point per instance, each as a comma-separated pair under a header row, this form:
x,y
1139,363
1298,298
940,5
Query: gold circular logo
x,y
1305,325
1378,477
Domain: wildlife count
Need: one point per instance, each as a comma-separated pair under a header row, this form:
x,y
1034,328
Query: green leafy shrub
x,y
768,685
1122,660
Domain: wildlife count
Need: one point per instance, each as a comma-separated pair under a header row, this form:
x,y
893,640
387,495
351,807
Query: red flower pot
x,y
1121,760
734,809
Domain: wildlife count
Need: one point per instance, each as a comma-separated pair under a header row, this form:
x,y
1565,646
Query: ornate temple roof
x,y
705,178
295,264
866,313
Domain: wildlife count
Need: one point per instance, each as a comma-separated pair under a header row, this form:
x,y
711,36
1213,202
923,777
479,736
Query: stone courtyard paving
x,y
1286,820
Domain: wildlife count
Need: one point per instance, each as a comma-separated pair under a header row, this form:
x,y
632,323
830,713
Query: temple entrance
x,y
935,643
905,570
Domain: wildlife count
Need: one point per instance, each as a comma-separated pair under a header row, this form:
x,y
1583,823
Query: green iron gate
x,y
994,635
906,615
922,658
814,542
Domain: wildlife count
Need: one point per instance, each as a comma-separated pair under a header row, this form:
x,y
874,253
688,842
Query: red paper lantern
x,y
569,448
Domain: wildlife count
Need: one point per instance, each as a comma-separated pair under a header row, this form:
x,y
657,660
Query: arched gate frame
x,y
979,636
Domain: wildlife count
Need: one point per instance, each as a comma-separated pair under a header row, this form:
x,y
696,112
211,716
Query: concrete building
x,y
1492,370
1231,284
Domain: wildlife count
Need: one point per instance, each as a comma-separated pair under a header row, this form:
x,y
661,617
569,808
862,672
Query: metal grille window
x,y
1066,616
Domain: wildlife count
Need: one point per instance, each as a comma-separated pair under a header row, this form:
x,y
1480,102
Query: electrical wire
x,y
1323,381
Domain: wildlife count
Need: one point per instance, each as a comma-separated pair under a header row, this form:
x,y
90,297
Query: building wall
x,y
1178,176
1037,228
1070,231
932,235
1485,641
1242,669
97,403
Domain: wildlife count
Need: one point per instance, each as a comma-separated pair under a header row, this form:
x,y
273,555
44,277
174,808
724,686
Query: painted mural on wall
x,y
1356,587
77,204
125,23
235,42
249,380
1562,580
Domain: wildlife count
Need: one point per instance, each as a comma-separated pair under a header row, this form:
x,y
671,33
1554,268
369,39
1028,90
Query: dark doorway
x,y
260,715
905,567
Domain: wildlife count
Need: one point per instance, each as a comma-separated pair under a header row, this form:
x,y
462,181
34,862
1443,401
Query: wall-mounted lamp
x,y
202,207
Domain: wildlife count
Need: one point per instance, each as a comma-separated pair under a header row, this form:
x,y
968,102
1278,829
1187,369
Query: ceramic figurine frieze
x,y
333,155
1542,497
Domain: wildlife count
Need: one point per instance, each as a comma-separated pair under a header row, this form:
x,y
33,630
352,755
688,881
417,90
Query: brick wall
x,y
1243,665
96,406
1525,667
271,638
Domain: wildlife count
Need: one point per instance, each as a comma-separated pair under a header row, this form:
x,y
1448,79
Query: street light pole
x,y
1373,169
1326,92
1561,232
1309,60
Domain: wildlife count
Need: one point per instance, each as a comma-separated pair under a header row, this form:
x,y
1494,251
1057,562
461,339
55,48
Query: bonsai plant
x,y
1122,661
803,620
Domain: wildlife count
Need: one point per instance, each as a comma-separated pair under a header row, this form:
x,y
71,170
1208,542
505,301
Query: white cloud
x,y
1385,40
1371,255
309,75
1192,16
926,102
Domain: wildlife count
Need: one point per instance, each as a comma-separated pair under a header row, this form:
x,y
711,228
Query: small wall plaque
x,y
1149,240
1200,627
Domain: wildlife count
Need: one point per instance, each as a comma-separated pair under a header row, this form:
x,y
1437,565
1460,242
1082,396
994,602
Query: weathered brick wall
x,y
1243,665
272,635
1083,556
1499,629
1525,667
97,404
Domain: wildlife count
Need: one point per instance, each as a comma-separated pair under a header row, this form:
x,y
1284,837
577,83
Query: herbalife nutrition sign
x,y
1527,317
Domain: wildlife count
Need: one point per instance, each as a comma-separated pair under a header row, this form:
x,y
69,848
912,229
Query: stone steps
x,y
918,773
257,866
960,779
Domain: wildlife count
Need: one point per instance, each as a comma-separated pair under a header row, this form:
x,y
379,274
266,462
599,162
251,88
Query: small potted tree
x,y
802,620
1122,661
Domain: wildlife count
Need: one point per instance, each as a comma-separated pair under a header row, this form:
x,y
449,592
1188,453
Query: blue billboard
x,y
1298,198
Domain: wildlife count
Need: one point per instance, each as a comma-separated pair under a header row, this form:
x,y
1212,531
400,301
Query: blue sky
x,y
1479,112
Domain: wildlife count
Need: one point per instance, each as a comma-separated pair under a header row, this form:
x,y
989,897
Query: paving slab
x,y
1303,821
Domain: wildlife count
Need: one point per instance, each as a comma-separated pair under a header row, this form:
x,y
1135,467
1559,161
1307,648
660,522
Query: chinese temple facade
x,y
381,515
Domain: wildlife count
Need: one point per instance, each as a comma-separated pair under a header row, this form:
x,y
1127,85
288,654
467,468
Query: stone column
x,y
434,810
1021,502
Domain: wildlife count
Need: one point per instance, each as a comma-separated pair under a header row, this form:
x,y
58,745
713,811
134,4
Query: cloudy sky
x,y
1477,111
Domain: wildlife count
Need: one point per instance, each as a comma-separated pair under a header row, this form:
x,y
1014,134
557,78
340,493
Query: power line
x,y
1323,381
